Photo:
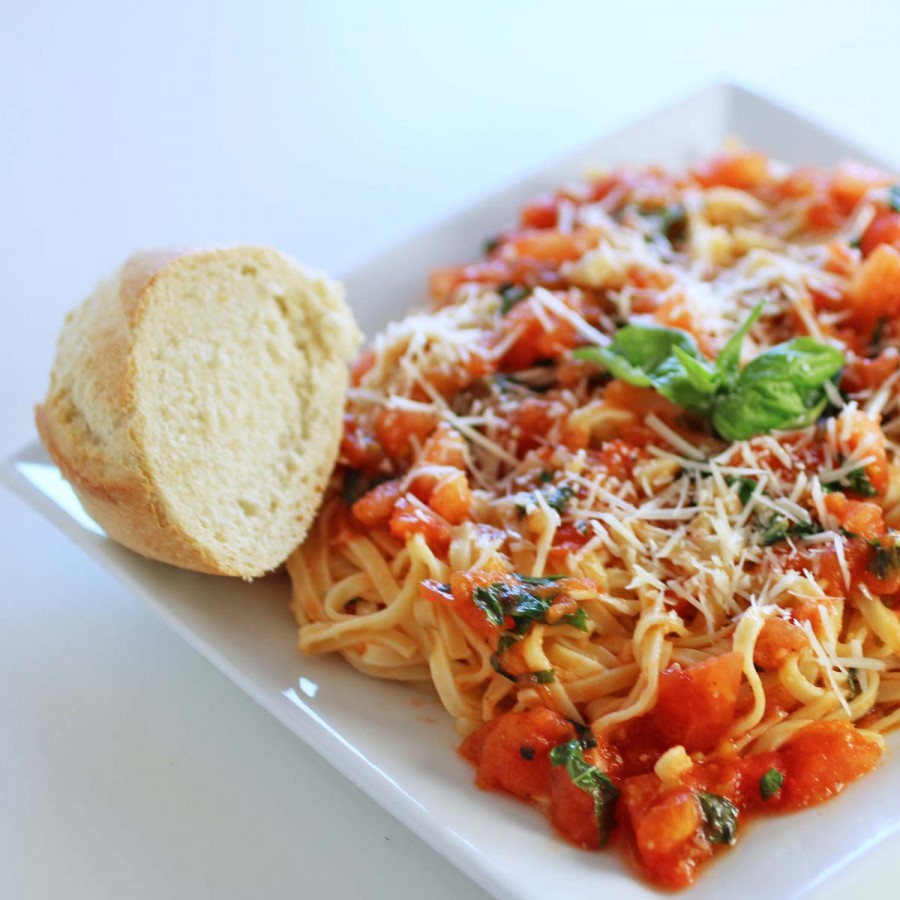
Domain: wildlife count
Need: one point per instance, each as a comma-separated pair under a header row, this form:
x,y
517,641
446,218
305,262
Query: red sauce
x,y
664,827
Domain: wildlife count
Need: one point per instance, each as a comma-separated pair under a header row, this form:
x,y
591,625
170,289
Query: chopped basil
x,y
592,781
770,783
558,497
357,483
886,560
526,753
525,602
490,245
576,620
720,818
782,388
779,529
746,487
542,676
859,483
510,295
894,198
853,682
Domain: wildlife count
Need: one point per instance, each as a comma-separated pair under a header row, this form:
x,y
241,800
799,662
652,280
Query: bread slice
x,y
196,404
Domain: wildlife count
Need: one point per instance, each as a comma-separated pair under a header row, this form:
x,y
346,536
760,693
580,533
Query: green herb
x,y
543,581
576,620
672,220
770,784
855,244
558,497
878,332
526,753
592,781
746,487
525,602
886,560
859,483
779,529
357,483
542,676
720,818
545,477
510,295
853,682
894,198
782,388
490,245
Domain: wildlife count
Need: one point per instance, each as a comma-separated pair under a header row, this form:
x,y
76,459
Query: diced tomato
x,y
375,507
532,420
408,519
572,810
452,498
359,447
570,538
859,517
618,458
542,212
512,752
396,429
875,290
852,181
885,229
534,342
665,828
742,169
820,760
695,706
778,640
824,214
866,436
861,374
551,247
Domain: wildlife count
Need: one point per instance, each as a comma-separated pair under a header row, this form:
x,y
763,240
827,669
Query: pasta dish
x,y
627,496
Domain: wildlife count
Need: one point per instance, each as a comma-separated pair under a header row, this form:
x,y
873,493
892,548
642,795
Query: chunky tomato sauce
x,y
661,825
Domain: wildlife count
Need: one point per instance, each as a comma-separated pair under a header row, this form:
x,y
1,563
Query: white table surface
x,y
129,767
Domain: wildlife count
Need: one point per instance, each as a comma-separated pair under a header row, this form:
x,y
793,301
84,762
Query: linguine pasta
x,y
638,581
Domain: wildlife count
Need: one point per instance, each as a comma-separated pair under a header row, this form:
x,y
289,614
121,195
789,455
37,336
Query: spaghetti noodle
x,y
650,597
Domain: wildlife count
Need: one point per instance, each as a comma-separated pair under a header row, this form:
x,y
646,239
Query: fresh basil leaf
x,y
720,818
542,676
646,356
779,389
853,682
894,198
728,360
592,781
770,784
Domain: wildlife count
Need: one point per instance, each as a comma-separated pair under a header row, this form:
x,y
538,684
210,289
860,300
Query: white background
x,y
128,766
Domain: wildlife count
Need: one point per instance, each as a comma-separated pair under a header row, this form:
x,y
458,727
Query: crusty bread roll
x,y
196,402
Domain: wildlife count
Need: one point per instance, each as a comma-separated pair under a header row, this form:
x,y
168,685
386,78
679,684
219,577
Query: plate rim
x,y
315,732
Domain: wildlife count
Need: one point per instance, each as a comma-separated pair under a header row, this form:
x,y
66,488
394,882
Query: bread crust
x,y
106,463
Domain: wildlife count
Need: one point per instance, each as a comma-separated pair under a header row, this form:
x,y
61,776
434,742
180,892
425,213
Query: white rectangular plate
x,y
394,741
